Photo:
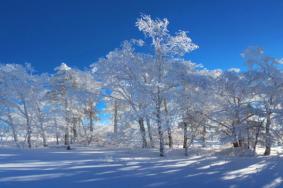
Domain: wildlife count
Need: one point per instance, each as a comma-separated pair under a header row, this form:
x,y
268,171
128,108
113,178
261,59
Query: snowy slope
x,y
121,168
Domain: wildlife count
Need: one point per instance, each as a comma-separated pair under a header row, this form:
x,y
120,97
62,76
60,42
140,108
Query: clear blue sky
x,y
78,32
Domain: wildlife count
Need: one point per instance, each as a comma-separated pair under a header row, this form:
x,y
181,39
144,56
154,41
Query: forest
x,y
150,95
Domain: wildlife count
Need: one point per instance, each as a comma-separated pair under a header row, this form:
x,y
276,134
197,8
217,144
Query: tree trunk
x,y
159,125
41,123
115,123
43,135
91,122
29,137
74,130
185,144
267,136
15,136
256,137
28,131
90,114
57,139
67,121
67,138
204,136
170,139
149,132
57,132
44,139
143,134
14,131
28,123
161,141
159,102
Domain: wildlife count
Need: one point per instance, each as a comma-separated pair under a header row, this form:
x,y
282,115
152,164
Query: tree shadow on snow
x,y
130,168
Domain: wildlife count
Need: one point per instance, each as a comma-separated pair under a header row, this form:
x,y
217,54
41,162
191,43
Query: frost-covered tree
x,y
19,97
195,101
87,96
122,72
267,85
144,81
234,107
62,87
154,94
75,93
166,48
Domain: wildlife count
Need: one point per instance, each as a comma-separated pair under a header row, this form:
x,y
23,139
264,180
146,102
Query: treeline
x,y
152,92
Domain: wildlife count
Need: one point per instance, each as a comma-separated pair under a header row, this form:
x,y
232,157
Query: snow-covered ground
x,y
124,168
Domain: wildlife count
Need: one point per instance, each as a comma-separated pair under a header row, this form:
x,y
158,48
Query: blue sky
x,y
46,33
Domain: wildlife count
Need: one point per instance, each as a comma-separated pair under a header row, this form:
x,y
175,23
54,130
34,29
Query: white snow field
x,y
124,168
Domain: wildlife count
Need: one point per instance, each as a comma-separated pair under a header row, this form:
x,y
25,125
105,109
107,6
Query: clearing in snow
x,y
102,168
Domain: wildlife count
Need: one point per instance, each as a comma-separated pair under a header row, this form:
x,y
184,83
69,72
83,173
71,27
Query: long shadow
x,y
124,168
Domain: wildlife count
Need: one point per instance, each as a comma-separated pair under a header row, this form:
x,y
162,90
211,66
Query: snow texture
x,y
122,168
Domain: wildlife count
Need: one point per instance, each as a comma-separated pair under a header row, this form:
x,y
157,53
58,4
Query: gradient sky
x,y
78,32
